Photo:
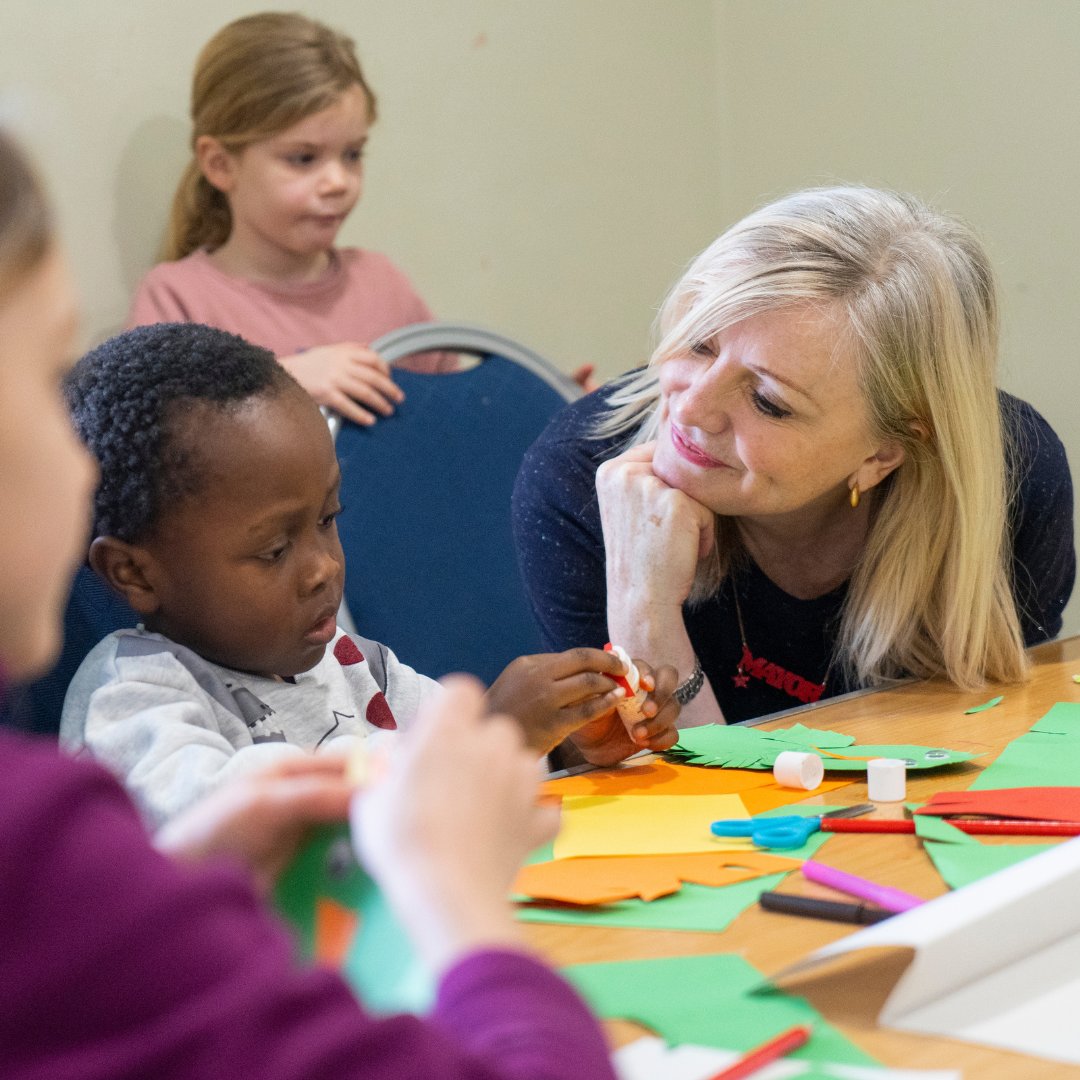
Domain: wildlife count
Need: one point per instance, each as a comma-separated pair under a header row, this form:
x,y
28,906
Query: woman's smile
x,y
689,451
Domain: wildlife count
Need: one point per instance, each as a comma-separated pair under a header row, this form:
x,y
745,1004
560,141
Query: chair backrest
x,y
430,563
93,612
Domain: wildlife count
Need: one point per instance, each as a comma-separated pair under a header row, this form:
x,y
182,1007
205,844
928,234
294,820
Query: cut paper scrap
x,y
338,914
1047,755
694,908
652,1059
606,880
735,747
961,864
699,908
705,1000
645,824
1029,803
335,926
985,705
759,791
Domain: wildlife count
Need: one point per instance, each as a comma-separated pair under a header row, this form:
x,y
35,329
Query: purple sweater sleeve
x,y
118,963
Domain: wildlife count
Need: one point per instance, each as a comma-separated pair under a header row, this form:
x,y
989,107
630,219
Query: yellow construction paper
x,y
645,824
607,880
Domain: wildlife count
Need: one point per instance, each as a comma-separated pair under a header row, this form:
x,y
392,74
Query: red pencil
x,y
767,1052
986,827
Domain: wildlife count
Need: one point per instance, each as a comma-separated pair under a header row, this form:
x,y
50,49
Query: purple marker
x,y
882,895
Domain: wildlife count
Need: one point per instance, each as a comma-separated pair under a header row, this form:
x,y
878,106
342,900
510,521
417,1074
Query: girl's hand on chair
x,y
346,377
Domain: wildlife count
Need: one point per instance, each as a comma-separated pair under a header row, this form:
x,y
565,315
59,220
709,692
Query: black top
x,y
790,641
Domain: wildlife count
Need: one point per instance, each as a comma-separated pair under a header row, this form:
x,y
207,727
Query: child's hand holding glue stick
x,y
644,717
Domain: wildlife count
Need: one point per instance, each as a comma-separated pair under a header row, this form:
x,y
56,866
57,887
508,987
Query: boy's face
x,y
248,572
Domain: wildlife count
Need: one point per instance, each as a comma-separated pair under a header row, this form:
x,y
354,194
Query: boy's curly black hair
x,y
127,398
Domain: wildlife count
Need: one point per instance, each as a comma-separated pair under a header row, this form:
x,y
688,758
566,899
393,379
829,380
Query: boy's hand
x,y
346,377
554,694
608,739
572,695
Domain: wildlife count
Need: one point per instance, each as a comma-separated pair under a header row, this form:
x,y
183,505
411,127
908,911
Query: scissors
x,y
784,833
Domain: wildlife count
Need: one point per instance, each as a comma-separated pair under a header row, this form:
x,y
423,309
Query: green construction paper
x,y
935,828
1046,756
961,864
735,747
706,1000
380,964
703,908
985,705
810,737
1062,719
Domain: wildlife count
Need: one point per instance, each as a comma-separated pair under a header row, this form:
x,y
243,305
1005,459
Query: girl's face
x,y
289,194
46,476
767,419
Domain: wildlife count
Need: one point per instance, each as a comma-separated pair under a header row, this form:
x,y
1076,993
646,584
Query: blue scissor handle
x,y
780,833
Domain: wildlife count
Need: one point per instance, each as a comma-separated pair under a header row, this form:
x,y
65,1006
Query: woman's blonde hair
x,y
26,228
253,79
931,594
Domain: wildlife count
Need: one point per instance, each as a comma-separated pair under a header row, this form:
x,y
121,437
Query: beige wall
x,y
547,168
544,169
972,104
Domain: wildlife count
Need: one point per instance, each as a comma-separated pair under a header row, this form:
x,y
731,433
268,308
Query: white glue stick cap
x,y
886,779
797,770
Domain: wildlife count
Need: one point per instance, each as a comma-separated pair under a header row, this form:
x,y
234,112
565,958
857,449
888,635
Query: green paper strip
x,y
985,705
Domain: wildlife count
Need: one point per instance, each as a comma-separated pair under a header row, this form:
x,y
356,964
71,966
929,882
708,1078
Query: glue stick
x,y
629,707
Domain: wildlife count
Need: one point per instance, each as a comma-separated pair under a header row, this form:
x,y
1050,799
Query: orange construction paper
x,y
335,926
664,778
771,795
609,879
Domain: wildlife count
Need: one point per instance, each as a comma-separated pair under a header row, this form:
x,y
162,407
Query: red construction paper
x,y
1034,804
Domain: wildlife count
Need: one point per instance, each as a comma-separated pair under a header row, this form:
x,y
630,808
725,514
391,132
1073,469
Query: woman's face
x,y
46,477
767,418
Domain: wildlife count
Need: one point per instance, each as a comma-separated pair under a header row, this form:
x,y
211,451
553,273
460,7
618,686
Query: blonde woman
x,y
815,484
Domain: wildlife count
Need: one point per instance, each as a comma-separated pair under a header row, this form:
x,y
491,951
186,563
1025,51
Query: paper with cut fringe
x,y
646,877
734,747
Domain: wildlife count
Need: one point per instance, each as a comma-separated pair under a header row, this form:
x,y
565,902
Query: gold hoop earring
x,y
854,499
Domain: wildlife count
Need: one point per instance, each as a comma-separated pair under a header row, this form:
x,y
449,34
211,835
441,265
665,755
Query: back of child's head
x,y
130,399
254,79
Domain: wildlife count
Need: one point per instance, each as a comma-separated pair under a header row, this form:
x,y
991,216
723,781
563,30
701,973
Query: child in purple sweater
x,y
119,961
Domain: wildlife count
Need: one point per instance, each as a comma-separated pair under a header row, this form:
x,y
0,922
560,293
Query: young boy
x,y
215,519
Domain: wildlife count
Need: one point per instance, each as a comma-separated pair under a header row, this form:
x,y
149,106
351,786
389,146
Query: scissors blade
x,y
851,811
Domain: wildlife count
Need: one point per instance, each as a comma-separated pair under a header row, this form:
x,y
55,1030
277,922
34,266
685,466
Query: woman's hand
x,y
654,535
260,819
346,378
654,538
449,822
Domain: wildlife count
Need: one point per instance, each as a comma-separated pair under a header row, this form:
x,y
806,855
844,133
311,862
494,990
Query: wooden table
x,y
930,713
